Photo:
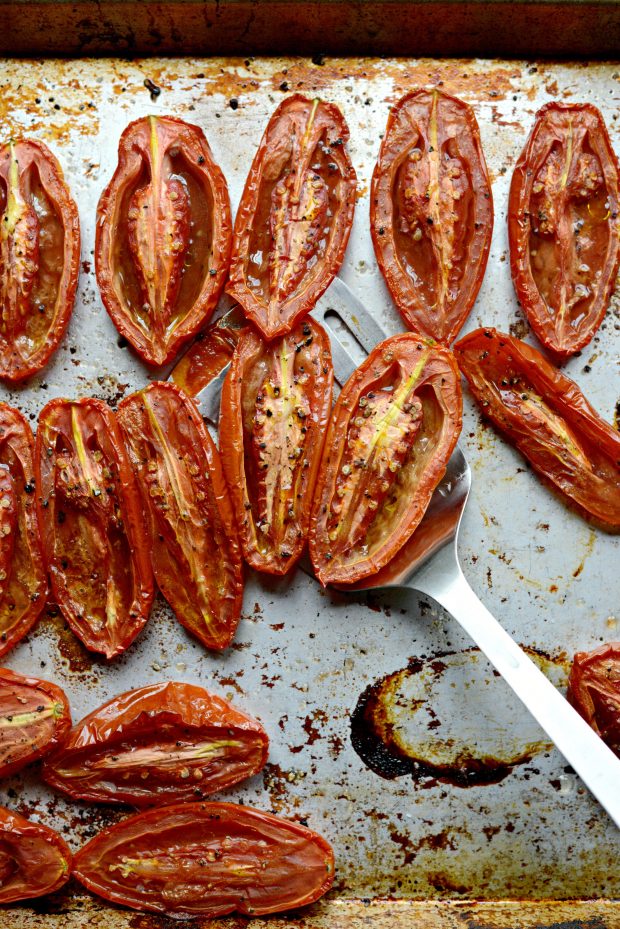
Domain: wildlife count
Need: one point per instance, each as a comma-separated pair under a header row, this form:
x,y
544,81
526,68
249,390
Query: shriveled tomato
x,y
207,859
431,211
594,691
23,579
391,434
193,534
34,860
276,403
39,257
34,719
295,215
210,353
546,416
159,744
164,234
564,225
94,539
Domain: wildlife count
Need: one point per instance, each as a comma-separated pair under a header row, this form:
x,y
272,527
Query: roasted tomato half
x,y
564,226
276,403
193,534
34,719
163,236
545,415
431,211
594,691
210,353
207,859
94,538
39,257
34,860
391,435
23,579
160,744
295,215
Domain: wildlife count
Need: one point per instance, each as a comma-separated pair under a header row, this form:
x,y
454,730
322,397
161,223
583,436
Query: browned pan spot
x,y
77,657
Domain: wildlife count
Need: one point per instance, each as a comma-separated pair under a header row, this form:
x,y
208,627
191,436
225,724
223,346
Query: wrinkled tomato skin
x,y
210,353
207,859
431,211
164,233
192,529
594,691
34,860
92,524
546,417
295,215
564,226
391,434
39,257
276,404
34,719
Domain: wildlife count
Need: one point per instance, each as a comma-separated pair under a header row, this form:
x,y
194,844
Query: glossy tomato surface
x,y
94,538
295,215
594,690
164,234
546,416
275,407
564,225
207,859
34,719
210,353
192,530
391,434
39,257
34,860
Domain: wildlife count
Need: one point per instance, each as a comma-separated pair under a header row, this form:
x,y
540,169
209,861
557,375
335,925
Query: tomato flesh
x,y
34,860
34,718
210,353
594,690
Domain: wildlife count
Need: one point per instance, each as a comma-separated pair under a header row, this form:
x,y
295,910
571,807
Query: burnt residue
x,y
76,655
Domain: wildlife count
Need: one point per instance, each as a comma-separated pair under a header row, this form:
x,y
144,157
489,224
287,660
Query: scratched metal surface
x,y
302,656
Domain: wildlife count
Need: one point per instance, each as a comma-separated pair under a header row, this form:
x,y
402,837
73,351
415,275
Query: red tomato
x,y
39,257
276,403
295,215
431,211
546,416
192,530
210,353
594,691
34,860
34,719
391,435
94,539
207,859
163,236
563,225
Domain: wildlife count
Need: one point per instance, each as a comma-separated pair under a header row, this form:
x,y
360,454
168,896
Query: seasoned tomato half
x,y
34,860
39,257
94,539
594,691
295,215
545,415
34,719
207,859
192,530
391,435
564,225
160,744
275,407
164,234
431,211
210,353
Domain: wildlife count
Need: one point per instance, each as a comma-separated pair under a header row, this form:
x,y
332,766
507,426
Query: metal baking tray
x,y
415,845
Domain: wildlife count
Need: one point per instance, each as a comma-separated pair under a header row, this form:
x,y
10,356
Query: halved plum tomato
x,y
39,257
564,226
34,719
94,538
276,403
23,579
431,211
207,859
295,215
391,434
192,530
210,353
164,234
594,691
160,744
545,415
34,860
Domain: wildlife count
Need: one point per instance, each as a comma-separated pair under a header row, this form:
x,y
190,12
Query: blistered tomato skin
x,y
164,234
431,211
210,353
547,418
34,719
34,860
207,859
594,691
295,215
564,226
